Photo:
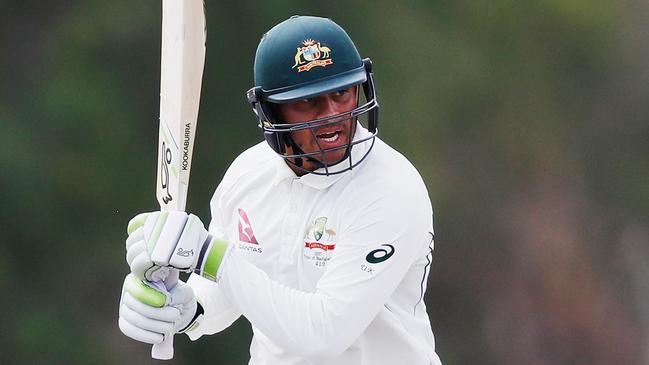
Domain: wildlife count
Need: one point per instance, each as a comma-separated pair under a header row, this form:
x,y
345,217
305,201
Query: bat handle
x,y
165,349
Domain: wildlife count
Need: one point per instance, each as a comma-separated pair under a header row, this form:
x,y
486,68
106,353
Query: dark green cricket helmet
x,y
300,58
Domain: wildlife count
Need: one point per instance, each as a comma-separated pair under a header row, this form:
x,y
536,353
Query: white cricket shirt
x,y
327,269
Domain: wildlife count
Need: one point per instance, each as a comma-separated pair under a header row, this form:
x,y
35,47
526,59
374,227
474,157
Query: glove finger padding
x,y
135,245
143,314
146,320
169,239
144,268
136,222
147,312
166,314
168,228
139,334
187,249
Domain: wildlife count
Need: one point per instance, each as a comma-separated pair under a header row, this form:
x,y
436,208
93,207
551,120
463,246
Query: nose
x,y
327,106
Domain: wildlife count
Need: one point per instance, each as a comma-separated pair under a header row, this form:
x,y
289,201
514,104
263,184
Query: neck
x,y
300,169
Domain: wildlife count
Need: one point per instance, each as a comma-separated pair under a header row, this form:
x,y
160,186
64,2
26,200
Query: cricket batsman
x,y
321,235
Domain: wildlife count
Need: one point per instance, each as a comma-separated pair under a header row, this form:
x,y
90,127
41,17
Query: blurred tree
x,y
528,121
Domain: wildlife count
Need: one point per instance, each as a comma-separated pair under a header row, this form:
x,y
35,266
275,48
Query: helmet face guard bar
x,y
278,134
296,159
320,122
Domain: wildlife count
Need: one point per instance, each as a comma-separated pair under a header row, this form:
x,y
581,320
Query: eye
x,y
303,104
344,95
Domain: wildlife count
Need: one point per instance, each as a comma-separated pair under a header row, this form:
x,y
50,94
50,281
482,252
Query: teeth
x,y
333,138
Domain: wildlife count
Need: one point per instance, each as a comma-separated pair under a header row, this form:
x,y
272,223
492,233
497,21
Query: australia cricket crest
x,y
319,242
312,54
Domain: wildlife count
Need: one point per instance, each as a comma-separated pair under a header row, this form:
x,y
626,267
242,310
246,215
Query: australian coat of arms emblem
x,y
312,54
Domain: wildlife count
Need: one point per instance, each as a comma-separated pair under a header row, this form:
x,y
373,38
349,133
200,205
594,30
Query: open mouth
x,y
329,137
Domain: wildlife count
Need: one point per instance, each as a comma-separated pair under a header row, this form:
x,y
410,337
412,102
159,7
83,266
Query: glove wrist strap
x,y
199,313
210,258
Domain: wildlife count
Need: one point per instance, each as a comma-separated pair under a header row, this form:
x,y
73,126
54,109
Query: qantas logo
x,y
245,229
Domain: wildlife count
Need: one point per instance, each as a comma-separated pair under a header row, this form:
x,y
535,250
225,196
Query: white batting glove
x,y
163,239
148,314
159,241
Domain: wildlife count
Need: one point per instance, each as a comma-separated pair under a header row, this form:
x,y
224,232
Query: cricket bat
x,y
182,61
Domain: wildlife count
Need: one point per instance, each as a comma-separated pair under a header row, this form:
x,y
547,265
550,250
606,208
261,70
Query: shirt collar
x,y
282,171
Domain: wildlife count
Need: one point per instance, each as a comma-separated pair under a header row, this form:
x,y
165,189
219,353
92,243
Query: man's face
x,y
330,135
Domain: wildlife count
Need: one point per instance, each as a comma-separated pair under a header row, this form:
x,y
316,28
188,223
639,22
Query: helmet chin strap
x,y
299,161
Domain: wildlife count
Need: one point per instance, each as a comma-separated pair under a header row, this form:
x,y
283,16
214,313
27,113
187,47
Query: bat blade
x,y
182,62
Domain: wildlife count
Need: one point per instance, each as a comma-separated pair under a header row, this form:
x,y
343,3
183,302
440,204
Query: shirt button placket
x,y
290,223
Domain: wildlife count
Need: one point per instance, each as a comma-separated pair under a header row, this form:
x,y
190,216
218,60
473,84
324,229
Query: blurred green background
x,y
529,121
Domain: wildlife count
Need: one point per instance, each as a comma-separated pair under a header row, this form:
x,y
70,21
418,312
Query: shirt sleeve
x,y
371,258
219,312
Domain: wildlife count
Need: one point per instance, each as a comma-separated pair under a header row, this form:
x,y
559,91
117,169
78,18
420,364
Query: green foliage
x,y
527,119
